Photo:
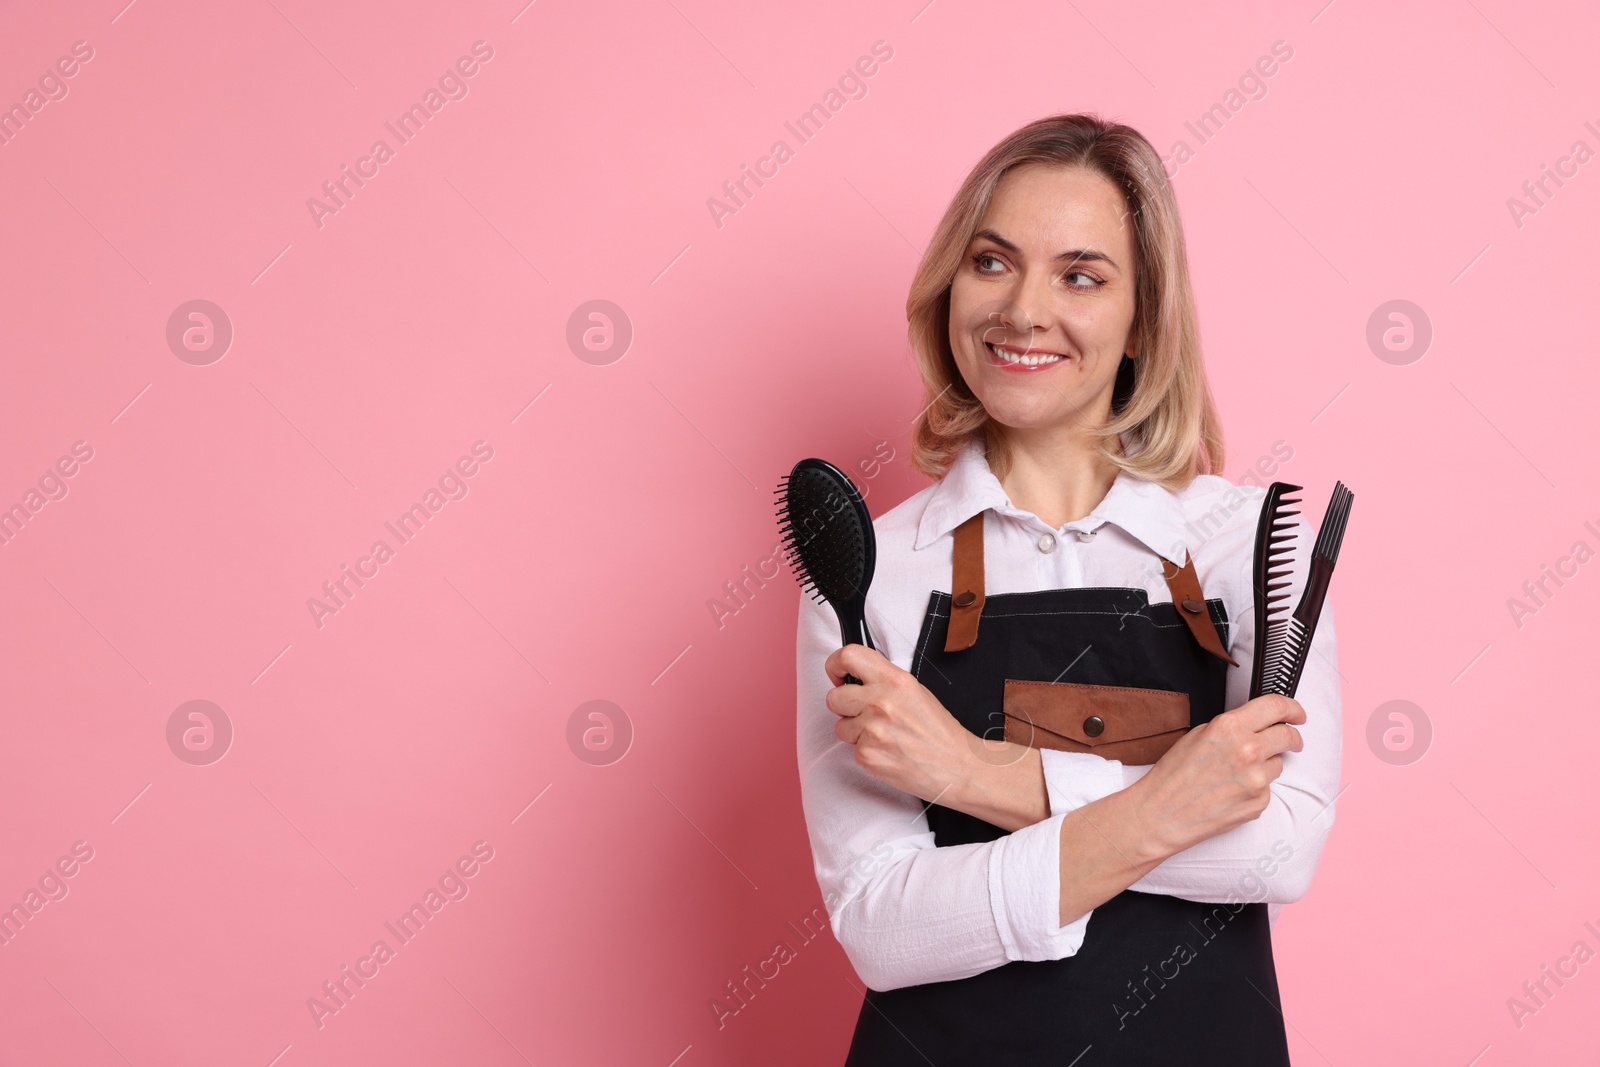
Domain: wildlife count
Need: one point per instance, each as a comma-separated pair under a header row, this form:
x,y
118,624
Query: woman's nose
x,y
1028,305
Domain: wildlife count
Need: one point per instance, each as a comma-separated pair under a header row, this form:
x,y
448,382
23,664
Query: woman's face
x,y
1049,278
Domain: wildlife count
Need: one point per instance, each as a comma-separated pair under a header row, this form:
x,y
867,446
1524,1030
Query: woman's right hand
x,y
1219,774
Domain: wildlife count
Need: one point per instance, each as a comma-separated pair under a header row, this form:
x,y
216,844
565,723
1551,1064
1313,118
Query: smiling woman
x,y
1066,766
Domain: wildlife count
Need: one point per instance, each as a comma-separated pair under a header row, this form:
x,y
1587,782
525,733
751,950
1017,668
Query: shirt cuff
x,y
1025,894
1073,779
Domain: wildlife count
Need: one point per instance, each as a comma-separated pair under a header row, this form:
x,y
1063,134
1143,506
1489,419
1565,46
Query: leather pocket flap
x,y
1092,716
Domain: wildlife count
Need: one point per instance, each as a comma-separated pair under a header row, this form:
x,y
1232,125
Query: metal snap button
x,y
1047,543
1094,726
965,598
1192,606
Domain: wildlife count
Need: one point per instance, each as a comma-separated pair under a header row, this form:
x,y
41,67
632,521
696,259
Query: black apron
x,y
1158,980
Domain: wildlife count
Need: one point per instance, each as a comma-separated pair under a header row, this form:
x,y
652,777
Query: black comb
x,y
829,542
1269,574
1284,642
1302,625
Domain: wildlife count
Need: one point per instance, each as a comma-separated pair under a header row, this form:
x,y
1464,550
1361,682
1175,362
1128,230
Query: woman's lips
x,y
995,359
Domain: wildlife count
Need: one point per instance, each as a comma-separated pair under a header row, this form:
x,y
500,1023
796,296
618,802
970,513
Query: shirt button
x,y
1086,535
1047,543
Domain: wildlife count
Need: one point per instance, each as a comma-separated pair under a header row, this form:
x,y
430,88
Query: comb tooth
x,y
1333,526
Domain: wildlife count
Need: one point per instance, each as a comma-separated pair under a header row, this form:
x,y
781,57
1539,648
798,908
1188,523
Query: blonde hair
x,y
1162,401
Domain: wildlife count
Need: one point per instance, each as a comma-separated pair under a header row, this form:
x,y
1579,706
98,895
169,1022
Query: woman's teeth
x,y
1027,361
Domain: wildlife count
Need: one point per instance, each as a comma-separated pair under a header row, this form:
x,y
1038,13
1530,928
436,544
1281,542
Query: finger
x,y
847,730
845,701
1281,737
1269,710
1291,712
857,660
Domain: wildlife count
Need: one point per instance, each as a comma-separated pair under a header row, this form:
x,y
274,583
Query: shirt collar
x,y
1145,510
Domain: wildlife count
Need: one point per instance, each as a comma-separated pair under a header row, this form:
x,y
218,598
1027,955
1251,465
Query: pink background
x,y
369,353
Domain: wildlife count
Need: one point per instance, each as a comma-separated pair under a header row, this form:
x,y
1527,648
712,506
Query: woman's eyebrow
x,y
1077,255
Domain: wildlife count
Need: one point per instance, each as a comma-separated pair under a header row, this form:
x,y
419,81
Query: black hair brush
x,y
829,542
1283,643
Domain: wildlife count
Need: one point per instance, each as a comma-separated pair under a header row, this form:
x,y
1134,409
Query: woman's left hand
x,y
902,734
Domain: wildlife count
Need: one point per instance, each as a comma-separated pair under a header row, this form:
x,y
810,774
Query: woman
x,y
1006,901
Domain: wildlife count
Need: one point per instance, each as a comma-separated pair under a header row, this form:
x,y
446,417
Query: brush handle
x,y
853,631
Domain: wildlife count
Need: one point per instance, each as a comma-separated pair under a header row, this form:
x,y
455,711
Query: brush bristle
x,y
825,543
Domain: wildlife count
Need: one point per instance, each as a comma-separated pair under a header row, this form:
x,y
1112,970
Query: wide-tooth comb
x,y
1270,573
1302,626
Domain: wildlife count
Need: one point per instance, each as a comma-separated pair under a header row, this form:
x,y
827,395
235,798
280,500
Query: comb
x,y
829,542
1270,573
1284,640
1302,625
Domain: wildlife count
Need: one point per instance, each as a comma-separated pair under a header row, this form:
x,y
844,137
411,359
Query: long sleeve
x,y
905,911
1273,857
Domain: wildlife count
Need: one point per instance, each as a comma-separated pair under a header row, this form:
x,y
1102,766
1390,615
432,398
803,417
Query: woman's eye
x,y
1087,281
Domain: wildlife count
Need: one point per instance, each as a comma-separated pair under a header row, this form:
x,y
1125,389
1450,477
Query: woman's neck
x,y
1056,477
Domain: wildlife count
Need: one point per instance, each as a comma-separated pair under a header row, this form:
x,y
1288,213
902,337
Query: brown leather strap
x,y
966,585
1184,584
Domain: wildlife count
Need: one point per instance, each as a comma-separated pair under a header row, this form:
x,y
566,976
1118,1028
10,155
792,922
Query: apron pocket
x,y
1116,722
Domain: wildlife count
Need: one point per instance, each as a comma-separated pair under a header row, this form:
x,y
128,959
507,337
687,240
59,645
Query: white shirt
x,y
907,912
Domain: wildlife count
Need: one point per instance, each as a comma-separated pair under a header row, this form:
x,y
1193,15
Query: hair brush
x,y
1283,642
829,542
